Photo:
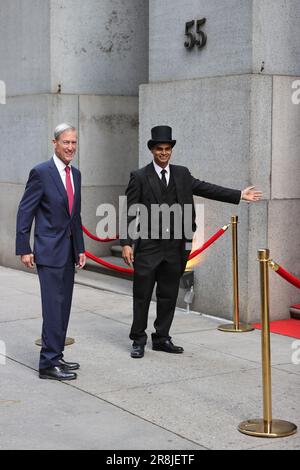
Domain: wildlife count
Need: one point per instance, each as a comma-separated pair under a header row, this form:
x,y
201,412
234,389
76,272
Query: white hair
x,y
62,128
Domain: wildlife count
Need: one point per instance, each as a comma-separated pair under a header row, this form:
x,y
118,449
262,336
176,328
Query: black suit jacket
x,y
145,188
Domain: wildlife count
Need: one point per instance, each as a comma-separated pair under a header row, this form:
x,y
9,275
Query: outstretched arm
x,y
220,193
215,192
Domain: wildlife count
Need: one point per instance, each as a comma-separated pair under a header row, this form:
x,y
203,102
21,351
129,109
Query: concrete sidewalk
x,y
192,401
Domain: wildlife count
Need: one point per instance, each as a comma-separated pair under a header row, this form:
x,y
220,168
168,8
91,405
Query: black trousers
x,y
56,292
156,261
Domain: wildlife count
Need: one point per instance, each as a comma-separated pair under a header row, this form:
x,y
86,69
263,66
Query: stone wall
x,y
74,61
231,111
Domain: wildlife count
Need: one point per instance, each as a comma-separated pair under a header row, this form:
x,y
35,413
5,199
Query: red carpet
x,y
290,327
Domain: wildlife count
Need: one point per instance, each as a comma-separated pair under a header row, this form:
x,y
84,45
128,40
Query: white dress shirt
x,y
62,172
158,170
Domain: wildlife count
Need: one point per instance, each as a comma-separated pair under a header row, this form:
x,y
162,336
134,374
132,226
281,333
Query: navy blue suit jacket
x,y
45,201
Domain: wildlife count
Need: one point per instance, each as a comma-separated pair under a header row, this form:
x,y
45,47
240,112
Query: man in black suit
x,y
160,254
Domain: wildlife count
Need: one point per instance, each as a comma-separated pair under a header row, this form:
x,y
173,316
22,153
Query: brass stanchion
x,y
236,326
266,427
68,341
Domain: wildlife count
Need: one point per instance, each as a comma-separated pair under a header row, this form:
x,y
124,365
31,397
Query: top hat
x,y
161,135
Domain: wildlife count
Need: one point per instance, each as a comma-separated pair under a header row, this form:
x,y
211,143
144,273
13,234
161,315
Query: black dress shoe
x,y
137,351
167,346
69,365
57,373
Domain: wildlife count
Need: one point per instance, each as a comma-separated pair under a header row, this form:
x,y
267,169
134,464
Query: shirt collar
x,y
59,164
159,168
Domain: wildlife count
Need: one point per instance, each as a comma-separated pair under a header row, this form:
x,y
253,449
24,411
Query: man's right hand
x,y
127,255
28,260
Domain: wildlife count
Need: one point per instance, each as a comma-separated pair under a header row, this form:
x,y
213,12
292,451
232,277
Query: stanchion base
x,y
232,328
68,341
260,428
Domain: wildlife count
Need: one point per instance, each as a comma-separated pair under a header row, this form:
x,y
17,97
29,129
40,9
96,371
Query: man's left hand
x,y
81,261
250,194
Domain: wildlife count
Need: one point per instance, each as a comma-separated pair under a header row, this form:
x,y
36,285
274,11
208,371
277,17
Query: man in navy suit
x,y
52,198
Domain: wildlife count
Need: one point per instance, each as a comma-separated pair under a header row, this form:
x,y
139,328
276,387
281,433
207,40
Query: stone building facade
x,y
115,68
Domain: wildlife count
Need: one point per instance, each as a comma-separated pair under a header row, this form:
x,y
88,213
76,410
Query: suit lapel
x,y
154,182
178,183
58,183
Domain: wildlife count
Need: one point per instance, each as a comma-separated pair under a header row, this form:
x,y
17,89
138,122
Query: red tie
x,y
69,188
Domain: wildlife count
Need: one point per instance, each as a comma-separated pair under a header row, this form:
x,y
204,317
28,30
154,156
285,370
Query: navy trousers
x,y
56,293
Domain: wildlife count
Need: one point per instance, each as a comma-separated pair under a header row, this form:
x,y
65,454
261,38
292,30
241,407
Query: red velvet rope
x,y
93,237
208,243
288,277
108,265
130,271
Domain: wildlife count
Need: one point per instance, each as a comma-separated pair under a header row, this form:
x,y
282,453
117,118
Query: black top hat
x,y
161,135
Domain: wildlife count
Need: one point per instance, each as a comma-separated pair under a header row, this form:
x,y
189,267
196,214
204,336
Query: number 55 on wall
x,y
198,38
